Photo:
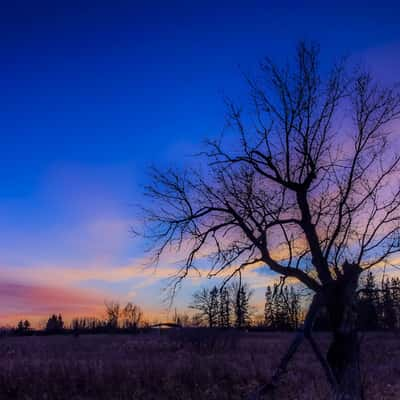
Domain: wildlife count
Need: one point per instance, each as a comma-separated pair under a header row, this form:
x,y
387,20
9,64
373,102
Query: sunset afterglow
x,y
94,94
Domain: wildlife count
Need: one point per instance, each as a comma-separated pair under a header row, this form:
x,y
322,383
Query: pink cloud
x,y
36,302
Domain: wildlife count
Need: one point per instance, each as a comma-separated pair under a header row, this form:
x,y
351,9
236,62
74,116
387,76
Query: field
x,y
178,365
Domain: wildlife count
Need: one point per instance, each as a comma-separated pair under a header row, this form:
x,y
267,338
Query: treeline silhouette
x,y
127,319
378,308
223,308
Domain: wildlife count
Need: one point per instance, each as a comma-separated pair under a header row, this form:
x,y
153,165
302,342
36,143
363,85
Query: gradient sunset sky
x,y
95,92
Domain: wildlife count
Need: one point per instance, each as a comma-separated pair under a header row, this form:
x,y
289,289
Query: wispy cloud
x,y
38,301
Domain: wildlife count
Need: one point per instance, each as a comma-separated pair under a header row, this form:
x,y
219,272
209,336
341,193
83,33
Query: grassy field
x,y
178,365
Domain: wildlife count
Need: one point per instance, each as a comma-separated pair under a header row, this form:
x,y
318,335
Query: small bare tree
x,y
310,190
205,302
132,316
113,312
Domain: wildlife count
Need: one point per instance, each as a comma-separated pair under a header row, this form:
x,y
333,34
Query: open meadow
x,y
179,364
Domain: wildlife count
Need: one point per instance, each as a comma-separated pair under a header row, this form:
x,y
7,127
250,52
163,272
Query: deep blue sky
x,y
93,92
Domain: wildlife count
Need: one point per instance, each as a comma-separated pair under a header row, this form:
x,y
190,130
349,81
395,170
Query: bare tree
x,y
205,301
309,189
113,311
131,316
282,307
87,324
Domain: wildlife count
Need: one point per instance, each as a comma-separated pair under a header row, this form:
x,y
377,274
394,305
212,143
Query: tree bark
x,y
343,358
344,351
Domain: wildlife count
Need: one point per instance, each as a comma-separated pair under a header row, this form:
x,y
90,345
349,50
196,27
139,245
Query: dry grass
x,y
174,367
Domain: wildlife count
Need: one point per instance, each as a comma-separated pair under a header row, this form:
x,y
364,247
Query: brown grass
x,y
174,366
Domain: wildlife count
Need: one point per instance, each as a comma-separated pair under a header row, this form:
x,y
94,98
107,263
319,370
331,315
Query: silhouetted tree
x,y
308,176
388,308
23,327
282,308
113,311
131,316
206,302
395,290
241,297
368,305
88,324
269,315
224,315
214,305
55,324
294,308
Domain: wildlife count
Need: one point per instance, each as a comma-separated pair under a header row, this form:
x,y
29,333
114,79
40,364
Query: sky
x,y
93,93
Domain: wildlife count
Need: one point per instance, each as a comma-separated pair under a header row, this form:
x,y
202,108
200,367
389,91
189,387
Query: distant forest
x,y
378,308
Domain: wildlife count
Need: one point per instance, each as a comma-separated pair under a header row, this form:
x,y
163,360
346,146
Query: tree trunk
x,y
343,358
344,352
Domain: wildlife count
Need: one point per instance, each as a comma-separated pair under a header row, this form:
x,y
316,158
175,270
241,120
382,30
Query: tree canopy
x,y
311,182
